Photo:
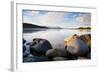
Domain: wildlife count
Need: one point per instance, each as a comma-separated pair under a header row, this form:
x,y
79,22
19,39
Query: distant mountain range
x,y
29,25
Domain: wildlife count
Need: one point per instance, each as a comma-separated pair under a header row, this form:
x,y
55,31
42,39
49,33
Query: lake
x,y
54,36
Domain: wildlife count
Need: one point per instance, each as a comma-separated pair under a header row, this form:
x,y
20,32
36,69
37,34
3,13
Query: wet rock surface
x,y
33,58
39,46
59,58
56,53
78,46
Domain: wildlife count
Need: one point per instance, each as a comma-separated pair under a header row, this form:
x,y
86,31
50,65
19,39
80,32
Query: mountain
x,y
29,25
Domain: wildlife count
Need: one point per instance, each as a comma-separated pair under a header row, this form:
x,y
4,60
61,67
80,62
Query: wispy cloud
x,y
51,18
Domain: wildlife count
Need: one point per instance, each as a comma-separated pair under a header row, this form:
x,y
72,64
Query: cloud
x,y
51,18
35,12
84,18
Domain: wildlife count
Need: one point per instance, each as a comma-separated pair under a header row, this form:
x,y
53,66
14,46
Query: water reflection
x,y
84,30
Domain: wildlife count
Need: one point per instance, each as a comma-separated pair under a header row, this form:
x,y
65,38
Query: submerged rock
x,y
88,56
32,58
76,46
81,58
39,46
59,58
40,58
28,58
56,53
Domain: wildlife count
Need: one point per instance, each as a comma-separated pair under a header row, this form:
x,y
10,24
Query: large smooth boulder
x,y
76,46
87,39
39,46
56,53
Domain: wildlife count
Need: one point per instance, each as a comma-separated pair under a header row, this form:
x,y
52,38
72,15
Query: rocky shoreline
x,y
40,50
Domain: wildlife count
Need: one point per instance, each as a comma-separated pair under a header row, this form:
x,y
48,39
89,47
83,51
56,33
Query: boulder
x,y
76,46
87,39
56,53
39,46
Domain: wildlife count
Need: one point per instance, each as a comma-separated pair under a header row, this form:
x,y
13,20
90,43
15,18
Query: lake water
x,y
54,36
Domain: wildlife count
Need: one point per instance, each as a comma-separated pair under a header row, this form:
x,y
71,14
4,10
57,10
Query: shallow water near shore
x,y
54,36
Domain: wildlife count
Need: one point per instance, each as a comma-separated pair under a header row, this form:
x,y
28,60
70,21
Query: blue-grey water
x,y
54,36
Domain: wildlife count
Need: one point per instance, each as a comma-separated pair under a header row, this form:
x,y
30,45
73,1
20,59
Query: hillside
x,y
84,28
28,25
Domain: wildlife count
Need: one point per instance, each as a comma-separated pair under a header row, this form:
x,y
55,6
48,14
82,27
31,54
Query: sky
x,y
57,19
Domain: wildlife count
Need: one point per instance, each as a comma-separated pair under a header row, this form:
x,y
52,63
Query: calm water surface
x,y
54,36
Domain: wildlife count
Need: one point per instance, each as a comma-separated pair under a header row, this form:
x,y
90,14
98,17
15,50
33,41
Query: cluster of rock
x,y
76,47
